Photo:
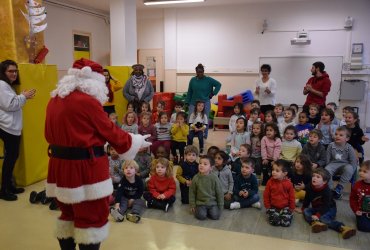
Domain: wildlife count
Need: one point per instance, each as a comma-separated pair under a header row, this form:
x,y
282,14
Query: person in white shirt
x,y
266,89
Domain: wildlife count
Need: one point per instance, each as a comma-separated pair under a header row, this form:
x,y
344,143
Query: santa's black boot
x,y
89,247
67,244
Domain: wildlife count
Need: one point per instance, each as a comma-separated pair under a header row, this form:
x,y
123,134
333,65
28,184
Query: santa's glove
x,y
138,142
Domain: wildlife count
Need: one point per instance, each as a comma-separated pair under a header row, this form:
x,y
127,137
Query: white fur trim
x,y
83,193
136,143
91,235
64,229
84,80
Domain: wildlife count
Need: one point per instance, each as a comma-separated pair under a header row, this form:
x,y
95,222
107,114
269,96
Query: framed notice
x,y
81,45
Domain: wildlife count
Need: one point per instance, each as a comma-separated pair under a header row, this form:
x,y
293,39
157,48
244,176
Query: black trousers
x,y
11,153
178,145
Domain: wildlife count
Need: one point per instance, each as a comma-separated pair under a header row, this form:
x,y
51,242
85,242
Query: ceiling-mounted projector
x,y
301,39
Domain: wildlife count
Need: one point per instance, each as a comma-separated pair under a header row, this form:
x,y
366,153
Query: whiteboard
x,y
292,73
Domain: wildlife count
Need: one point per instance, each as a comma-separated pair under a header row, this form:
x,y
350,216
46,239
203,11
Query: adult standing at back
x,y
138,87
266,89
11,125
317,87
112,85
202,88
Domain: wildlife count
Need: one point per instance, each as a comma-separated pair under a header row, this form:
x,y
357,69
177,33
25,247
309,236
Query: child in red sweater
x,y
161,186
278,196
359,199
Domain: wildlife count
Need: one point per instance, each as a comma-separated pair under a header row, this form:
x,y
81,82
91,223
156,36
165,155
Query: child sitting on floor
x,y
129,194
206,198
323,210
278,196
246,187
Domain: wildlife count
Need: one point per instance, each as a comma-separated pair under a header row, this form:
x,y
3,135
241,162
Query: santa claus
x,y
76,128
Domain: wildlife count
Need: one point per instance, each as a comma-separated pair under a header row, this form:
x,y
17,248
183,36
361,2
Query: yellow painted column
x,y
122,74
14,30
33,160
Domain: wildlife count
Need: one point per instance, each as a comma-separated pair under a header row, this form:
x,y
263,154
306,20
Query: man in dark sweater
x,y
323,210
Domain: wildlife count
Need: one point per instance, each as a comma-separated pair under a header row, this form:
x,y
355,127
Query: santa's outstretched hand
x,y
138,142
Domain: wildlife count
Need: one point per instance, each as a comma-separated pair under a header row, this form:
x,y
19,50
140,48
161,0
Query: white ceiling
x,y
103,5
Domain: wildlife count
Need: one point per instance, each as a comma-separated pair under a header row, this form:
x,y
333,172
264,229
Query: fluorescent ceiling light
x,y
171,2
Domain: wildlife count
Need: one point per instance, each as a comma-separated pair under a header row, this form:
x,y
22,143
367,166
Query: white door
x,y
152,59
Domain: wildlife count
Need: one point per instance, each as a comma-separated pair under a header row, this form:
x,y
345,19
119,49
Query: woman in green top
x,y
202,88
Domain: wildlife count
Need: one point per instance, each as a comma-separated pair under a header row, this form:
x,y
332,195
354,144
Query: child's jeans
x,y
198,134
246,202
328,218
280,217
346,175
137,207
212,212
363,222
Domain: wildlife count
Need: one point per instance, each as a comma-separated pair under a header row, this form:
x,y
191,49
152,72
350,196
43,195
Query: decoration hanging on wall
x,y
35,16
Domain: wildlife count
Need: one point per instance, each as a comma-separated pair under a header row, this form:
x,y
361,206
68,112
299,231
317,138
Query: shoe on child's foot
x,y
116,214
53,205
166,207
33,196
257,205
338,192
317,227
135,218
347,232
337,196
234,205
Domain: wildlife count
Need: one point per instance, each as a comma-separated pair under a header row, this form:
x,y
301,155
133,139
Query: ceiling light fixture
x,y
155,2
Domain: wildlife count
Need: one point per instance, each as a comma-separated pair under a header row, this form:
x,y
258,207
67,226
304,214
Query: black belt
x,y
74,153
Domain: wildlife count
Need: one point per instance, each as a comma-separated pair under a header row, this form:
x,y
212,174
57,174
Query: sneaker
x,y
347,232
8,196
317,227
116,214
166,207
337,196
257,205
234,205
33,196
53,205
135,218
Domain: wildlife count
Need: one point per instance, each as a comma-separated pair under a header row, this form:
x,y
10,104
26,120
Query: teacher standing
x,y
11,125
317,87
266,89
202,88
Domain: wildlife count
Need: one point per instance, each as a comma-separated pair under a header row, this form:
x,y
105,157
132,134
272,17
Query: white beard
x,y
84,80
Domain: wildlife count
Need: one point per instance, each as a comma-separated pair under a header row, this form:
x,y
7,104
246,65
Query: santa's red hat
x,y
83,62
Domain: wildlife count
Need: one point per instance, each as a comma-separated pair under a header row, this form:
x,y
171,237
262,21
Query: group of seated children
x,y
297,163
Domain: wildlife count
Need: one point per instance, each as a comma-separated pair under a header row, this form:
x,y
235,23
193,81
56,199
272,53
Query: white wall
x,y
150,29
59,36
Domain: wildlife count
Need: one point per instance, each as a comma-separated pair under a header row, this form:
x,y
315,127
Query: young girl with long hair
x,y
129,123
161,185
301,176
239,137
270,150
270,117
198,123
238,112
163,128
256,137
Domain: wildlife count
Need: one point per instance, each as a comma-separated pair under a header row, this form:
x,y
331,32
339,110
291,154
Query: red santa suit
x,y
76,124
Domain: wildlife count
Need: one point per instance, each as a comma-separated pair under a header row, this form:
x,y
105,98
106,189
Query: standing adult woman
x,y
266,89
138,88
10,125
202,88
113,86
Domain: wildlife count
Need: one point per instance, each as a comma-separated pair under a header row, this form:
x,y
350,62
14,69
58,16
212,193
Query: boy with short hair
x,y
313,115
278,197
323,209
129,194
279,112
289,115
345,110
340,154
246,187
205,195
186,171
179,106
315,150
303,128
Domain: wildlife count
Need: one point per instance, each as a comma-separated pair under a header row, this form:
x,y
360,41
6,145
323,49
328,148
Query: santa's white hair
x,y
84,80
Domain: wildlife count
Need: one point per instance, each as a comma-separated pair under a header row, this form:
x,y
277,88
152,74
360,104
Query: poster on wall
x,y
151,69
81,43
